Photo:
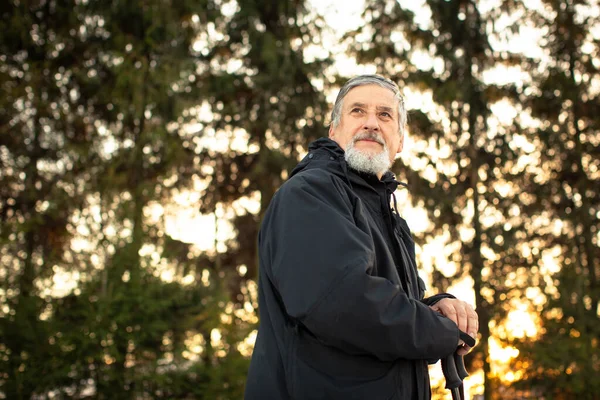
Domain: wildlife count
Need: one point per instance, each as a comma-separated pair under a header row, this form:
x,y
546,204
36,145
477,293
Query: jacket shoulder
x,y
316,182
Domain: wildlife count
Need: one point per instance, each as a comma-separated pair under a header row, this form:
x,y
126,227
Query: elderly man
x,y
342,312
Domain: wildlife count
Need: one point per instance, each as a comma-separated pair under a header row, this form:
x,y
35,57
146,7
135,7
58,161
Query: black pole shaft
x,y
456,394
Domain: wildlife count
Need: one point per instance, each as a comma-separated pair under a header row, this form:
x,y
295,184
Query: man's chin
x,y
369,152
369,146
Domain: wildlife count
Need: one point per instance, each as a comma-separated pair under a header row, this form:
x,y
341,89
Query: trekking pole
x,y
453,379
454,370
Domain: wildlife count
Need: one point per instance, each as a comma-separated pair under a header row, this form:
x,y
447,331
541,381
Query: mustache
x,y
368,135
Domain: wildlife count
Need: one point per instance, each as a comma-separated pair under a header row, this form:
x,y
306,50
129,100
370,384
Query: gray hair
x,y
362,80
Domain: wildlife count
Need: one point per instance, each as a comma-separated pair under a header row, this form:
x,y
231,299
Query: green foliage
x,y
86,146
100,127
564,361
130,341
111,109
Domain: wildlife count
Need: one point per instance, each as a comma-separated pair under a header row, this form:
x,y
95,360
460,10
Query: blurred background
x,y
141,141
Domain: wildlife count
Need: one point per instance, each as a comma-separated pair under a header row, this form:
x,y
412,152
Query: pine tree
x,y
43,156
564,361
92,142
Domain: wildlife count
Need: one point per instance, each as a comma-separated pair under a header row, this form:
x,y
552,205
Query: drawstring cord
x,y
393,182
395,203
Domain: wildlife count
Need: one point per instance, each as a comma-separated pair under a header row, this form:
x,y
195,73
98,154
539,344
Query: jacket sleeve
x,y
320,260
429,301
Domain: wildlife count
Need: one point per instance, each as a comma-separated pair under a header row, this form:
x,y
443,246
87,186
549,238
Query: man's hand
x,y
463,315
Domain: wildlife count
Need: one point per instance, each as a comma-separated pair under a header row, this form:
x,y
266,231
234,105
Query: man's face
x,y
369,109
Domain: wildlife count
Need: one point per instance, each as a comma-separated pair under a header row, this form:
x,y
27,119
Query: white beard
x,y
369,163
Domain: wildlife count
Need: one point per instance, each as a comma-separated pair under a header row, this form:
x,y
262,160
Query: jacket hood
x,y
317,150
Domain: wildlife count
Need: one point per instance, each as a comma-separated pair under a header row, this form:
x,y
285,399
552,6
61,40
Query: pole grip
x,y
453,380
460,366
453,365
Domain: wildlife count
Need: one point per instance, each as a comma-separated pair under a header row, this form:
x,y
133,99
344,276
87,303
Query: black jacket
x,y
342,314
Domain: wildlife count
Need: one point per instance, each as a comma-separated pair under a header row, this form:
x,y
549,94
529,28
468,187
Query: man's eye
x,y
356,110
386,115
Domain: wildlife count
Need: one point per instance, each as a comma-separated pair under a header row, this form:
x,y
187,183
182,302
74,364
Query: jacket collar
x,y
337,156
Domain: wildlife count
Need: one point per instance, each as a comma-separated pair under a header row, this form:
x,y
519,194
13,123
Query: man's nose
x,y
372,123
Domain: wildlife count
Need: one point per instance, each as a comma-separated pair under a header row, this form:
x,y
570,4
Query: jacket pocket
x,y
323,372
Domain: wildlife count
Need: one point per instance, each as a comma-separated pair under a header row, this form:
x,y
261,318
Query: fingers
x,y
461,313
472,324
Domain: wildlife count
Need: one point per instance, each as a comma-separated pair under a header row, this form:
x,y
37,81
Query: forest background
x,y
141,141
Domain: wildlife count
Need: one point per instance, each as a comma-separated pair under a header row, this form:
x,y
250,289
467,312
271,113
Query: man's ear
x,y
331,134
400,144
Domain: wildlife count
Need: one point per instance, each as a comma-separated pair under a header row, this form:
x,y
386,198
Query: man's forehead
x,y
372,95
